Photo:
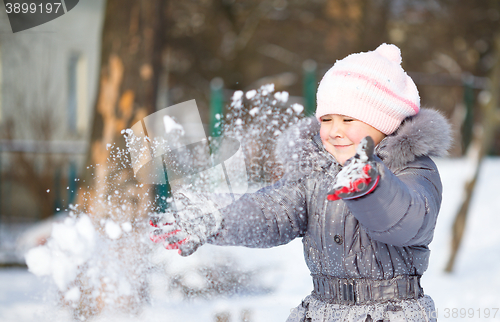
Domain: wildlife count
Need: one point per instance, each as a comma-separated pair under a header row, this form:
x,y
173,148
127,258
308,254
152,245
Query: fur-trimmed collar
x,y
426,134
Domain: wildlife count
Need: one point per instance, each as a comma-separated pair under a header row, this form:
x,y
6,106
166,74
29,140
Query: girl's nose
x,y
335,132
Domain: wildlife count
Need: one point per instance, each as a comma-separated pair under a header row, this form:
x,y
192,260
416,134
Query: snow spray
x,y
101,259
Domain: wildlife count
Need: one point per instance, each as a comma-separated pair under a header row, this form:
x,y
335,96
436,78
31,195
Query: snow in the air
x,y
237,100
282,96
71,245
112,229
250,94
297,108
171,125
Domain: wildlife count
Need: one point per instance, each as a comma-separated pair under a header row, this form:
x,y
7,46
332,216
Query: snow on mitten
x,y
192,224
359,176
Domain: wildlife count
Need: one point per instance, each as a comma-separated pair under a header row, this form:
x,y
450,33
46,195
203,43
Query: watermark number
x,y
471,313
32,7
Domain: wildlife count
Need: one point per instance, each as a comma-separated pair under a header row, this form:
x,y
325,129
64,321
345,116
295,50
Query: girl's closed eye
x,y
346,120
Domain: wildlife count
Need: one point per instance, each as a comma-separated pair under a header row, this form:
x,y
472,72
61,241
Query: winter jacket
x,y
379,236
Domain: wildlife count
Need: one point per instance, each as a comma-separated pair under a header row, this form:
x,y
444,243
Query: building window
x,y
77,94
1,84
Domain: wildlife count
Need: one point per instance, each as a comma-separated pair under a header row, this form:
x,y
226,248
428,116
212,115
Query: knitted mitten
x,y
359,176
195,221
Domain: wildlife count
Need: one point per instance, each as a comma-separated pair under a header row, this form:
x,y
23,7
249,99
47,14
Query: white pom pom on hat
x,y
391,52
371,87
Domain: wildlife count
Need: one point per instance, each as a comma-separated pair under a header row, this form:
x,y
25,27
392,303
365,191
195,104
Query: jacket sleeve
x,y
403,209
272,216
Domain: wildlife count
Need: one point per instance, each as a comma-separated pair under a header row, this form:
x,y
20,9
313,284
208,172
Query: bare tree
x,y
130,65
482,142
132,41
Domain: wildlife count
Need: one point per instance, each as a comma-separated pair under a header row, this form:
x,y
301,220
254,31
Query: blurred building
x,y
48,83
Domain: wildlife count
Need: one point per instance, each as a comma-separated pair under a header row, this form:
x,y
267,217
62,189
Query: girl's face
x,y
341,135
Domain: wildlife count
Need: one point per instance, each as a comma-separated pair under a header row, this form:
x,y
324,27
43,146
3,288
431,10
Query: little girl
x,y
366,216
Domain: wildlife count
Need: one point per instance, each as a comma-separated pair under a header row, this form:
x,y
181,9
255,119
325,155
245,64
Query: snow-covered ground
x,y
471,293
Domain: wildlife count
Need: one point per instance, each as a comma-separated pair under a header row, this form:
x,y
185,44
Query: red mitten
x,y
359,176
195,220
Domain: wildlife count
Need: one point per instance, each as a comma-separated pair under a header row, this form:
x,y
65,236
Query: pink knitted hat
x,y
371,87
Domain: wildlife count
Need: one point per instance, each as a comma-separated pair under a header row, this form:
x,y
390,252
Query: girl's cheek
x,y
356,136
323,134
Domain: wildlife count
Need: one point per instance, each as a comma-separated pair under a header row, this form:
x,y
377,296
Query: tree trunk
x,y
481,143
130,67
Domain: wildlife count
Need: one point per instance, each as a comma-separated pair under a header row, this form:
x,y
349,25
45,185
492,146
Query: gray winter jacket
x,y
379,236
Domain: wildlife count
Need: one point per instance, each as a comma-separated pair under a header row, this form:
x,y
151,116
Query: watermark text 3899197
x,y
26,14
